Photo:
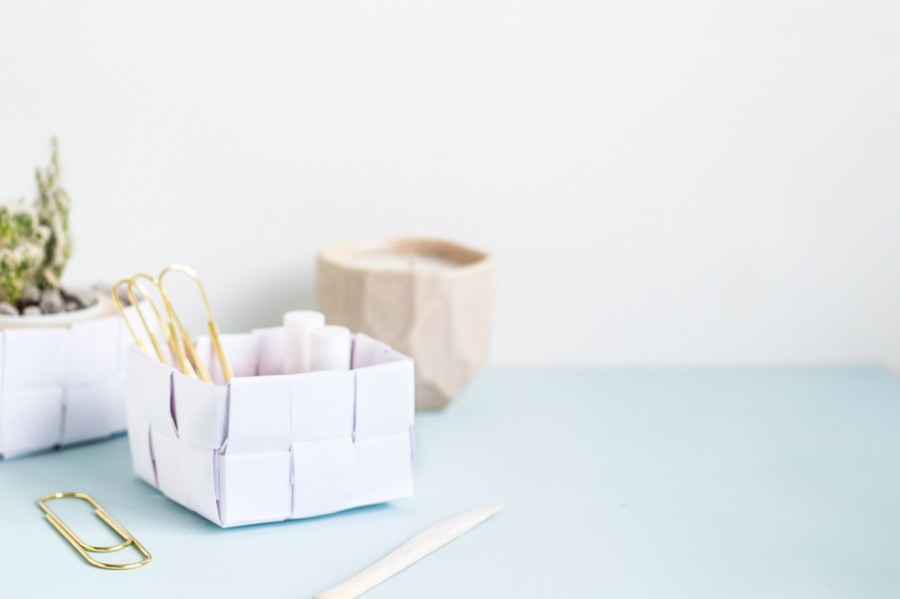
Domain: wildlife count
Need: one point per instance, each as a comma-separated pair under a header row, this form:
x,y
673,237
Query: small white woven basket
x,y
61,385
268,446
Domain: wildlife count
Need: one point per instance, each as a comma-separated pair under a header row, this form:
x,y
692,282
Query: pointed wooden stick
x,y
416,548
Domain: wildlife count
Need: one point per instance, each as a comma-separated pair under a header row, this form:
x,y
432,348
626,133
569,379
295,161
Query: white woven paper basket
x,y
61,385
269,446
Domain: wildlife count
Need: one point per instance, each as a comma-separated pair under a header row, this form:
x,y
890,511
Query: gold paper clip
x,y
134,282
83,548
145,297
182,349
118,302
210,320
177,338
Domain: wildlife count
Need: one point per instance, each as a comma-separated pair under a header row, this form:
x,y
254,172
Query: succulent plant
x,y
53,212
23,242
34,241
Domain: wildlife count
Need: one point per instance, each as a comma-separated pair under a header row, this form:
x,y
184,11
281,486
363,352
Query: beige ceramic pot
x,y
428,298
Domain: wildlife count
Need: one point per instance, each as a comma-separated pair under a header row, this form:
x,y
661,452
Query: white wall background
x,y
664,183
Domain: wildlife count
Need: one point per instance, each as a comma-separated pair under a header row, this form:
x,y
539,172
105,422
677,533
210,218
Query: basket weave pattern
x,y
268,446
61,385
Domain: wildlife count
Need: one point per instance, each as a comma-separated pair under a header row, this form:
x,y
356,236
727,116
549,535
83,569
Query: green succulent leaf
x,y
35,244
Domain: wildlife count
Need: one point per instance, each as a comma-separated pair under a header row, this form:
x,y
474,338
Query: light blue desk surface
x,y
778,483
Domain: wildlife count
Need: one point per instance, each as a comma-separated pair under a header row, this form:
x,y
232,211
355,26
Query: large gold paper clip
x,y
83,548
181,351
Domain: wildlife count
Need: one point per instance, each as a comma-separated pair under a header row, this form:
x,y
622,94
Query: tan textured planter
x,y
436,308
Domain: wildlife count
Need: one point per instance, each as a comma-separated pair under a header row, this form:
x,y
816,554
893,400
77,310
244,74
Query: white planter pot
x,y
62,381
103,307
268,446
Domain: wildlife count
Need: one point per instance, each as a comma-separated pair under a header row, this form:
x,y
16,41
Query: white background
x,y
664,183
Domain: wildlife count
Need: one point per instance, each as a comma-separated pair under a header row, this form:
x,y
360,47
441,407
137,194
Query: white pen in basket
x,y
330,348
298,326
